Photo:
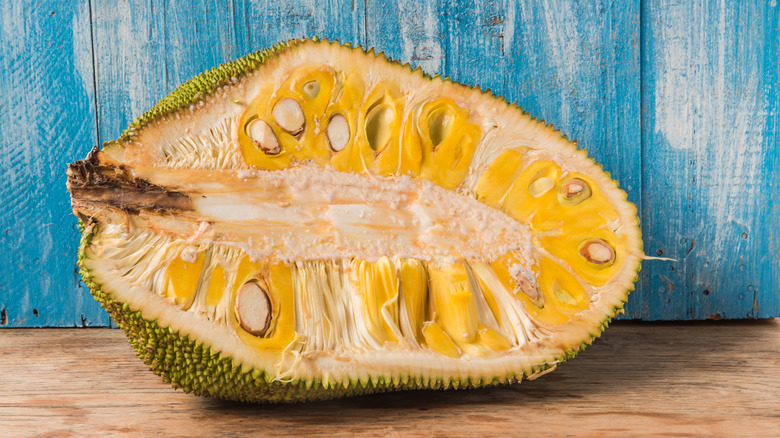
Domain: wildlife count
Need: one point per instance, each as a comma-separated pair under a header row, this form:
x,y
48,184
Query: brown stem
x,y
94,184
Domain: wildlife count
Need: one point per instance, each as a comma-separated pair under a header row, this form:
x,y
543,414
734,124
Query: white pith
x,y
310,213
351,355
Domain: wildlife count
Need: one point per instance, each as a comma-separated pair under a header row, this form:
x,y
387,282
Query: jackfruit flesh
x,y
313,221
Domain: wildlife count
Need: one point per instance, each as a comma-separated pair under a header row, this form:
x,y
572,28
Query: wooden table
x,y
673,379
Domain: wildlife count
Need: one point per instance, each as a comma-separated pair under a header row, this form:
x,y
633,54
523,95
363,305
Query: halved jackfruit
x,y
313,221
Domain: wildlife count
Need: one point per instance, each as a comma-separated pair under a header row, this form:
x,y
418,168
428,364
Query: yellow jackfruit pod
x,y
378,287
252,284
525,287
453,304
578,206
447,140
340,125
217,285
494,184
455,301
493,340
438,340
596,255
413,279
310,90
382,130
532,190
182,278
378,131
560,288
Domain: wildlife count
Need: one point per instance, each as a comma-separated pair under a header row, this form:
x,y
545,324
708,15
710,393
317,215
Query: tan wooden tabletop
x,y
639,379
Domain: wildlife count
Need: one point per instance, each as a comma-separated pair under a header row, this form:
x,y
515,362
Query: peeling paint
x,y
420,36
509,27
711,81
82,47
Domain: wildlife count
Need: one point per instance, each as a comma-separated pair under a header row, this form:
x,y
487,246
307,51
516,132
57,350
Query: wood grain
x,y
47,119
711,159
639,379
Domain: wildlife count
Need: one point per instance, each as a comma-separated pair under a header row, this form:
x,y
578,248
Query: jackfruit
x,y
313,221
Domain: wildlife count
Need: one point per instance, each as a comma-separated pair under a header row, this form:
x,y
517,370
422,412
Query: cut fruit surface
x,y
313,221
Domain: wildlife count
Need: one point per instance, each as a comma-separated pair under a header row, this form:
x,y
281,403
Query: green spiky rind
x,y
196,368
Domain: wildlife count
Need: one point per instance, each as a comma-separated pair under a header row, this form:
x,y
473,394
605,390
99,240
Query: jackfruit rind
x,y
183,195
194,367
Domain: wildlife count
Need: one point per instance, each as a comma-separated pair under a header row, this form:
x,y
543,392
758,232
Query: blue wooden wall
x,y
681,102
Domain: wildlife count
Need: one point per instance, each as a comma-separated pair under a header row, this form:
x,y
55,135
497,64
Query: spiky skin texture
x,y
197,368
188,92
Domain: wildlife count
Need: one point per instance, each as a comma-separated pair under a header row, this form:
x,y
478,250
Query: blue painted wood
x,y
143,50
409,31
47,119
680,102
710,172
265,24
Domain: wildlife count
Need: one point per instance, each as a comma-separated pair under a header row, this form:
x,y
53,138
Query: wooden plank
x,y
265,24
711,144
642,380
408,31
47,119
145,49
477,37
